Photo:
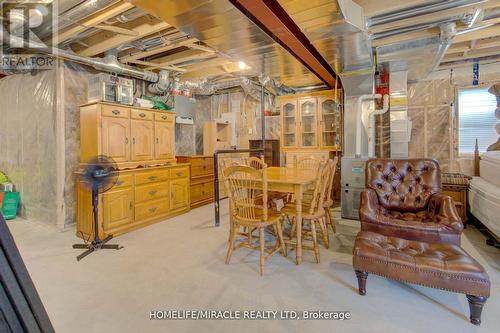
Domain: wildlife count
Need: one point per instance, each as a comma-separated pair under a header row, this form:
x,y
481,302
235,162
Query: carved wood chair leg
x,y
232,238
476,304
293,229
262,250
330,220
324,233
280,238
361,282
315,240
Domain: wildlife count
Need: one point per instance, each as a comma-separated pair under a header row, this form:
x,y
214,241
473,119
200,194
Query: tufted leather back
x,y
403,185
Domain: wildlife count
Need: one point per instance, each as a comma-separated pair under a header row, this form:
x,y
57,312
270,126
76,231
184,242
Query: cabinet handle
x,y
178,174
172,195
126,141
119,183
164,117
152,192
130,205
133,141
142,115
151,178
116,112
152,209
157,140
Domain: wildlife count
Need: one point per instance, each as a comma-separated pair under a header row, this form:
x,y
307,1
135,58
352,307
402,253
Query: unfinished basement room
x,y
249,166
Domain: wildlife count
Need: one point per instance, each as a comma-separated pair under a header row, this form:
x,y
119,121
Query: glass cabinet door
x,y
289,121
308,122
328,109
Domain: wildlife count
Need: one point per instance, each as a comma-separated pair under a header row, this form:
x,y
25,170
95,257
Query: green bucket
x,y
10,204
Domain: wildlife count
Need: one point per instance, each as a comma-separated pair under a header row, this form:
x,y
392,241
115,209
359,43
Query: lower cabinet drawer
x,y
151,191
202,191
181,172
151,209
153,176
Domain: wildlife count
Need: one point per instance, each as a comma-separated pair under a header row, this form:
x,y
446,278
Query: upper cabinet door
x,y
328,122
289,130
115,138
142,133
163,140
308,122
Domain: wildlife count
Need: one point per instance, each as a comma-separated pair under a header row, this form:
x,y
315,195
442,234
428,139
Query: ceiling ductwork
x,y
109,63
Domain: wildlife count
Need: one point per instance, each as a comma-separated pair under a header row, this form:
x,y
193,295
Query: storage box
x,y
10,204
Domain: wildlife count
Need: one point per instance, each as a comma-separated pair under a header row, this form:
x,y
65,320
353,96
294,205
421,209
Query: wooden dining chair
x,y
312,211
307,163
244,184
328,203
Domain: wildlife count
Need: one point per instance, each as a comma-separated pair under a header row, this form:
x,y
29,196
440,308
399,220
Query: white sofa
x,y
484,193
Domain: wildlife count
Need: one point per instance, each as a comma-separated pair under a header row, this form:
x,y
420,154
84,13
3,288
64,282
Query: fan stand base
x,y
96,245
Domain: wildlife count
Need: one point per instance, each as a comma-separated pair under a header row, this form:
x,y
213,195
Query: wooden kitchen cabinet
x,y
142,132
139,198
133,137
115,138
118,208
179,193
202,179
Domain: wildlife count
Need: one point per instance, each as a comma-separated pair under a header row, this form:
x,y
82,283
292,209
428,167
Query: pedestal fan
x,y
100,175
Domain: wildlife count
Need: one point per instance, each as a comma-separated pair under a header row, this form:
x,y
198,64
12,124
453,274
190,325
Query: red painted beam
x,y
275,21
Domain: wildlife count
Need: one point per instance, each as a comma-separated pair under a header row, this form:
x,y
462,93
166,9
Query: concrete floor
x,y
179,265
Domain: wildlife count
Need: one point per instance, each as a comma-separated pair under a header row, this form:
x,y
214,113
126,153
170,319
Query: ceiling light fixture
x,y
242,65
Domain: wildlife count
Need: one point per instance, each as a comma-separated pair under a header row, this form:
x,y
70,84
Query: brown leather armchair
x,y
403,199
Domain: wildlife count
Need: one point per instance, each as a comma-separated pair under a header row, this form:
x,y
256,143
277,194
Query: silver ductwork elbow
x,y
162,85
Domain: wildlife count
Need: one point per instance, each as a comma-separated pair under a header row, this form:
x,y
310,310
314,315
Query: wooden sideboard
x,y
132,136
202,178
139,198
151,186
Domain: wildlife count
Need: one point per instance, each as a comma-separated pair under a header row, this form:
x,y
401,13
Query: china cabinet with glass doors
x,y
311,122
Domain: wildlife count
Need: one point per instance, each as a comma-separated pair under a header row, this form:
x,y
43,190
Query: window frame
x,y
458,89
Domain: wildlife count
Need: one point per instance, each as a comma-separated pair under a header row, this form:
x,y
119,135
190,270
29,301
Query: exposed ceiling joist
x,y
201,48
152,64
179,58
118,30
157,50
478,34
458,11
473,54
93,20
102,44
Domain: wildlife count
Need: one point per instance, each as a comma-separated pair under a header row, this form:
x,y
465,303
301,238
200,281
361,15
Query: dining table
x,y
295,181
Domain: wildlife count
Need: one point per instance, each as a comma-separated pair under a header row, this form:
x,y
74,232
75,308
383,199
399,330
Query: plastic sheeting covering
x,y
28,141
431,112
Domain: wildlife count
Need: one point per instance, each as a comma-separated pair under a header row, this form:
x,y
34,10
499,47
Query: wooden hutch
x,y
151,185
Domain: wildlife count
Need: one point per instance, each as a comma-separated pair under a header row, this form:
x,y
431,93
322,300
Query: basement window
x,y
476,119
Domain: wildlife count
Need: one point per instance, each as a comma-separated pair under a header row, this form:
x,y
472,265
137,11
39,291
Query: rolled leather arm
x,y
444,207
369,206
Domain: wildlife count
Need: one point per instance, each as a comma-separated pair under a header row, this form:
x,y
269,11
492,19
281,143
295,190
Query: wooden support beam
x,y
95,19
272,18
103,42
157,50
